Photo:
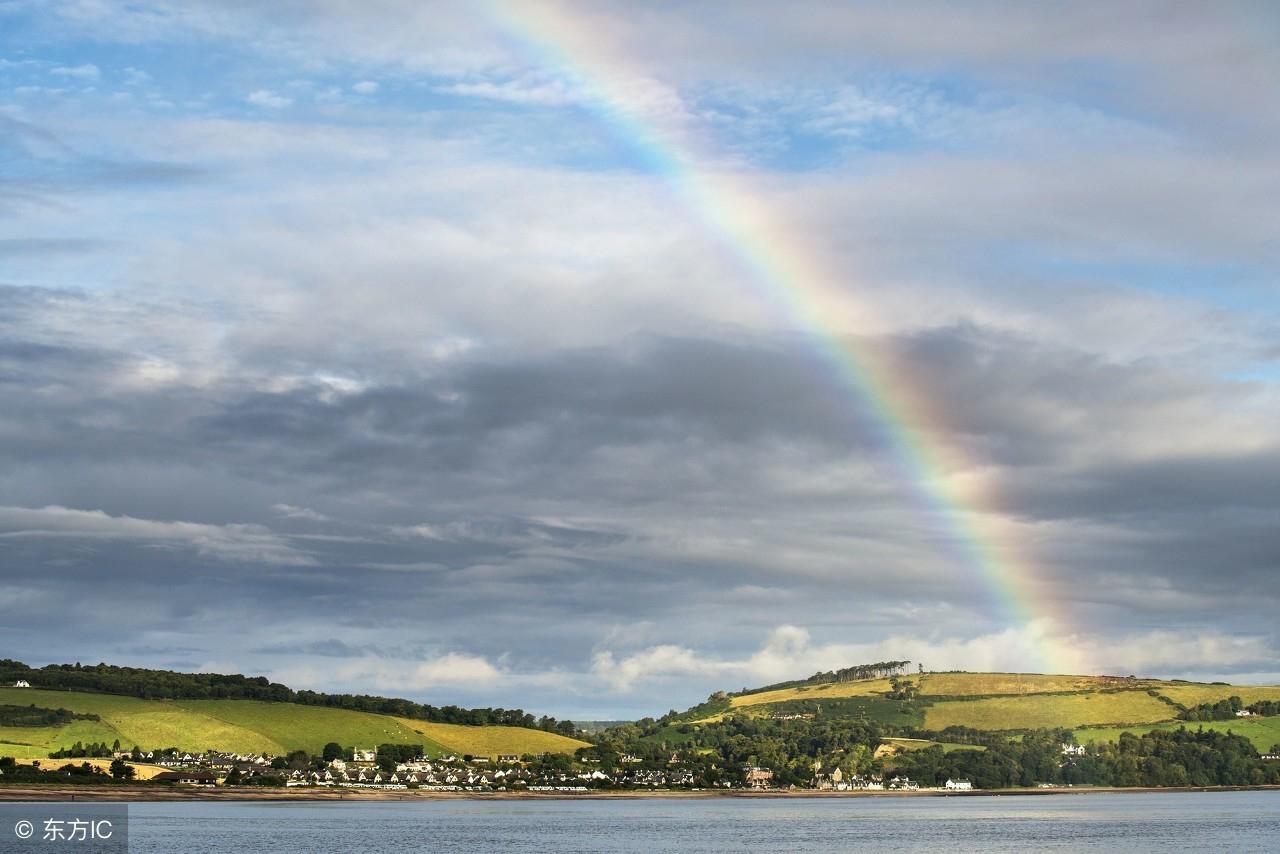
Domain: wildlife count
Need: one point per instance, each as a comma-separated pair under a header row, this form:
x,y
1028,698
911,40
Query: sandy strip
x,y
72,792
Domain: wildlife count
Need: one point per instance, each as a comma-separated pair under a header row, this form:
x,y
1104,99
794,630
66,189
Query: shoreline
x,y
140,794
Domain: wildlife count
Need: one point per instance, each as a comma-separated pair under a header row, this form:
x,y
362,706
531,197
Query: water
x,y
1174,821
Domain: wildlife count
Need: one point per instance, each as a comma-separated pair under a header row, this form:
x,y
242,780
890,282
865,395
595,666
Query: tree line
x,y
1225,710
35,716
1158,758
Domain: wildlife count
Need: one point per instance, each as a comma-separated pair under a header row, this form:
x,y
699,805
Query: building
x,y
22,683
190,777
508,757
958,786
758,778
1073,750
831,779
358,755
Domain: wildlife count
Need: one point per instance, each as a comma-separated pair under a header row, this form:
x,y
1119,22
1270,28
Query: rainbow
x,y
794,281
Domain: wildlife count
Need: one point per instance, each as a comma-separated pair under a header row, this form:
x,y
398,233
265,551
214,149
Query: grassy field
x,y
848,702
983,684
246,726
37,742
492,740
861,688
1194,694
294,727
1032,712
1263,732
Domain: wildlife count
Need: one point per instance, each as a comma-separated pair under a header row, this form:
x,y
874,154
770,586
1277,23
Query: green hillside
x,y
1263,732
250,726
1097,708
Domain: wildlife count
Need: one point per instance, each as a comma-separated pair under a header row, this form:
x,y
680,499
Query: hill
x,y
251,726
943,707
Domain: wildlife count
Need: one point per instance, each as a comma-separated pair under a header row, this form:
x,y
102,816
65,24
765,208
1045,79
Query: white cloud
x,y
78,72
789,653
240,543
365,87
290,511
454,669
395,676
520,91
268,99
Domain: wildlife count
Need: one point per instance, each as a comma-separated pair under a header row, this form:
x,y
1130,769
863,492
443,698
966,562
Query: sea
x,y
1174,821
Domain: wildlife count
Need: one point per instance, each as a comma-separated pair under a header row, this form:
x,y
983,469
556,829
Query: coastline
x,y
138,794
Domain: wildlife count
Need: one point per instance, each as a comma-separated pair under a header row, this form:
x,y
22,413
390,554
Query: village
x,y
361,769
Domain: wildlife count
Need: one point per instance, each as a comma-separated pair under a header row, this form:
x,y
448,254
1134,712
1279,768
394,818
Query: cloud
x,y
365,87
236,542
39,246
484,361
788,652
522,91
289,511
267,98
87,71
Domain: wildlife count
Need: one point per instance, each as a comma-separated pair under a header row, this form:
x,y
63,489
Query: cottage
x,y
1244,713
1073,750
358,755
22,683
758,778
508,757
958,785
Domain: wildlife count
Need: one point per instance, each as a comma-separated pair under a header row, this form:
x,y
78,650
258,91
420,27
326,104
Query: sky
x,y
572,355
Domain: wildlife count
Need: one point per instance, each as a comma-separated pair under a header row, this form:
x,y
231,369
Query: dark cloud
x,y
556,498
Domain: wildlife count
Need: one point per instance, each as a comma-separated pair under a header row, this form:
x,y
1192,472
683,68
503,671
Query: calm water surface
x,y
1176,821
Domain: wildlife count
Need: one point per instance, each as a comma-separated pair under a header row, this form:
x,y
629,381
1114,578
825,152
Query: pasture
x,y
1048,710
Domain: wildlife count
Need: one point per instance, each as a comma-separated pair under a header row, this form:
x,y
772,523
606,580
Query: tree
x,y
120,770
332,751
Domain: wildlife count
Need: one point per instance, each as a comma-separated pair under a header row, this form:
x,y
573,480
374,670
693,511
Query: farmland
x,y
983,684
1192,694
489,740
248,726
826,690
1048,710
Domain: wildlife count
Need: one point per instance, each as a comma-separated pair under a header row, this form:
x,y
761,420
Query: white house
x,y
958,786
1244,713
22,683
1073,750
